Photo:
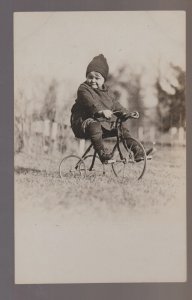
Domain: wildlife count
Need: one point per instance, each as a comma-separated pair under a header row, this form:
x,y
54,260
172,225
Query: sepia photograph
x,y
100,147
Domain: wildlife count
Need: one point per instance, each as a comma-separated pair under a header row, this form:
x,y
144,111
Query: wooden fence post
x,y
46,135
152,132
81,147
54,136
173,132
141,133
181,136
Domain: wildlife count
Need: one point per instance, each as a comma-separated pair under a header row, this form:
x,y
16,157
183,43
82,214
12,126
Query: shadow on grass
x,y
33,171
22,170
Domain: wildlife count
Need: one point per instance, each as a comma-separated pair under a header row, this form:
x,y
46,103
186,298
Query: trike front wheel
x,y
129,167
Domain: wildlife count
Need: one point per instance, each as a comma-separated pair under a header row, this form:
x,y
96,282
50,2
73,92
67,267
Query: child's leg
x,y
131,143
94,131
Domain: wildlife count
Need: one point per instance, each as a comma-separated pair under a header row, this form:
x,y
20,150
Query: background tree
x,y
171,99
49,107
126,84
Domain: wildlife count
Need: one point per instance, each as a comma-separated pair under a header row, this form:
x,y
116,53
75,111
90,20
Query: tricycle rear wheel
x,y
72,166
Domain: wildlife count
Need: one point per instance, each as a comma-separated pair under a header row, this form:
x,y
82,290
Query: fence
x,y
54,138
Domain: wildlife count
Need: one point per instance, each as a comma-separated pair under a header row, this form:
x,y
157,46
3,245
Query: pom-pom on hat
x,y
98,64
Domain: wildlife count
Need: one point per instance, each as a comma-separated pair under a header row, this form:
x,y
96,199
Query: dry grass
x,y
99,229
37,182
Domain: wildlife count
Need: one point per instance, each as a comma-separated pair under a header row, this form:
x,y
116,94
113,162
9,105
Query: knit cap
x,y
98,64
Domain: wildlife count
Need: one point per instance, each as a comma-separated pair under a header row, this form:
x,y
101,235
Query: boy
x,y
94,99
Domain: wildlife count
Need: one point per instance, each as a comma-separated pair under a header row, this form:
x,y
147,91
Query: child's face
x,y
95,80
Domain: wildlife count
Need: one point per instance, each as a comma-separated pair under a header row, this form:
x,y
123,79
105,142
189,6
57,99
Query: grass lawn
x,y
100,229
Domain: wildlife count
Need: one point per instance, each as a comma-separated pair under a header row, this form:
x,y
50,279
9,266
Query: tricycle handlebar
x,y
125,116
121,117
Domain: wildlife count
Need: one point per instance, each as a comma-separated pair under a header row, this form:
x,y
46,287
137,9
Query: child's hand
x,y
107,113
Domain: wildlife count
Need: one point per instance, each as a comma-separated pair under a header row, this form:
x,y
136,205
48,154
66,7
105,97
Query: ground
x,y
100,229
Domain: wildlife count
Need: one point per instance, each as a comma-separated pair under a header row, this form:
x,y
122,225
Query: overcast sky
x,y
61,44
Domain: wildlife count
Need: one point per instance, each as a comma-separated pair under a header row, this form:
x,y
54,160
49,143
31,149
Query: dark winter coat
x,y
90,101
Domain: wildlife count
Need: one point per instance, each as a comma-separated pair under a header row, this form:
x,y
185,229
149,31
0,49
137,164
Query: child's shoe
x,y
104,155
138,154
139,157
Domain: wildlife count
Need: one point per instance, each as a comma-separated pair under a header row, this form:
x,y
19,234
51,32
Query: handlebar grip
x,y
134,115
